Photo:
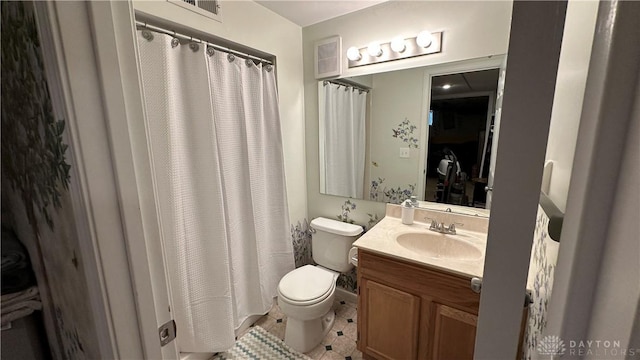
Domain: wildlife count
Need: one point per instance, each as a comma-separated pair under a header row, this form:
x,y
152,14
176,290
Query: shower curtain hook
x,y
147,34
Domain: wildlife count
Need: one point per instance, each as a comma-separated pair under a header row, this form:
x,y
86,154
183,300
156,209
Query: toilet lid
x,y
306,283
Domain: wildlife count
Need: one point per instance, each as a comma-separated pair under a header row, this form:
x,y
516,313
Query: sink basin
x,y
438,245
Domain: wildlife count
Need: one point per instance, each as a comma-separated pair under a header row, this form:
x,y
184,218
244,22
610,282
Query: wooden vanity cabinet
x,y
406,311
390,322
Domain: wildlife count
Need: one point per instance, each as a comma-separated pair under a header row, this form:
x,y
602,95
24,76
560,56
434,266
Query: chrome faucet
x,y
442,228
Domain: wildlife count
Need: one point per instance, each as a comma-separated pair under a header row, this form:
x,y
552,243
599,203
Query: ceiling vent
x,y
208,8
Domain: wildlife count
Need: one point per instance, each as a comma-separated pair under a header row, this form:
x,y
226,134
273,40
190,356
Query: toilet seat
x,y
307,285
308,302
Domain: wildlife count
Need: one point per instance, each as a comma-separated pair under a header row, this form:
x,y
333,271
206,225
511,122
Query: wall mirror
x,y
428,131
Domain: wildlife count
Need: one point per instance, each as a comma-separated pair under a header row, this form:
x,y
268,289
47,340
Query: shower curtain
x,y
344,148
217,161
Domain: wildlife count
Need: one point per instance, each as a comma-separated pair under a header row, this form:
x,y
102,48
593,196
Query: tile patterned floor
x,y
340,342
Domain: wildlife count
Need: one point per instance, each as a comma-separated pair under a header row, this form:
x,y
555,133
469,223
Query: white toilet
x,y
306,294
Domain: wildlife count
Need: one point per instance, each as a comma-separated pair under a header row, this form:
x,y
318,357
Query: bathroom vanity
x,y
415,299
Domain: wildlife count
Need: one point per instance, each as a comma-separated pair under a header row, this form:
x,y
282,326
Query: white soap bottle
x,y
407,212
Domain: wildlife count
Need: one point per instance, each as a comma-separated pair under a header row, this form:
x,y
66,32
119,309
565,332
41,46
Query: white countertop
x,y
381,239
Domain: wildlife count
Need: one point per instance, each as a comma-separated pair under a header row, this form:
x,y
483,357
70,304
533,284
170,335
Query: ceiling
x,y
486,80
305,13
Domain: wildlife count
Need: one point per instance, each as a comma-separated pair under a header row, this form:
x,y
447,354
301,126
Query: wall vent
x,y
208,8
328,61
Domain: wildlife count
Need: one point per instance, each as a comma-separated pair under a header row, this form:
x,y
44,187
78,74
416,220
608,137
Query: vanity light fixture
x,y
424,43
374,49
398,44
353,54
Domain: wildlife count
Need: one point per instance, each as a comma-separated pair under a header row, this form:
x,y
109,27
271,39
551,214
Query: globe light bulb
x,y
398,45
374,49
424,39
353,54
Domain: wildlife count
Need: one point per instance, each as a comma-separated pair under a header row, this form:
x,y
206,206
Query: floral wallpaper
x,y
32,148
73,344
346,209
543,263
301,238
349,281
393,195
404,131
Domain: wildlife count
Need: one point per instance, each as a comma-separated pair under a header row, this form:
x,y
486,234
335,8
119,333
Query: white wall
x,y
252,25
617,297
567,104
596,289
573,66
471,29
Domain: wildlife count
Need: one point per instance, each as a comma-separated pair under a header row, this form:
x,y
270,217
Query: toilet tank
x,y
331,241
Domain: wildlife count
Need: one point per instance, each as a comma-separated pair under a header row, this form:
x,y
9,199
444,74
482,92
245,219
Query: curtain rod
x,y
346,84
191,38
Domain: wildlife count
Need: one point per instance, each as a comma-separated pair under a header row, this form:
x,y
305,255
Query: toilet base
x,y
304,335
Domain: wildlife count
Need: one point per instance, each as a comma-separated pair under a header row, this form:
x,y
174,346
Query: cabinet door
x,y
389,322
454,333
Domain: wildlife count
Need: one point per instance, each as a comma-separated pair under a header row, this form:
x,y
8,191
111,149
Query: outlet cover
x,y
404,153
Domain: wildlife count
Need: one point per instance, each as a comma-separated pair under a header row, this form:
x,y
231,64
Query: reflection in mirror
x,y
460,123
400,138
343,141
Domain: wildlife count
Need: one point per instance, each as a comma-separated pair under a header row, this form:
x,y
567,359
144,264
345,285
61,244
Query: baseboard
x,y
346,295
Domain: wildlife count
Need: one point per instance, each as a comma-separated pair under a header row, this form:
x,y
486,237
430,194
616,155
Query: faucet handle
x,y
434,223
452,227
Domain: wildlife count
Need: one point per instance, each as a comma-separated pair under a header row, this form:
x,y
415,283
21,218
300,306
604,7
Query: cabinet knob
x,y
476,285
